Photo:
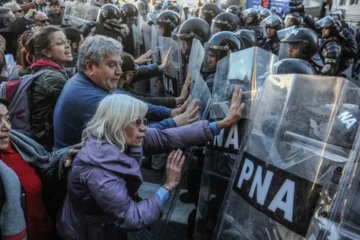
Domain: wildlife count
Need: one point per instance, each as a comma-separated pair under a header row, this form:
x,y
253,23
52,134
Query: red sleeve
x,y
26,7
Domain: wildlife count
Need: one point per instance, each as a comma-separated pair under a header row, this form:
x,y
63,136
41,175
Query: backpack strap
x,y
11,88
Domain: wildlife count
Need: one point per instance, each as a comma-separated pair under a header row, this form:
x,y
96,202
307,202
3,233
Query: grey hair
x,y
4,16
115,112
11,5
94,48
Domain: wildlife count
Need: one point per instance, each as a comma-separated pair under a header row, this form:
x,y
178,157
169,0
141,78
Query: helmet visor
x,y
290,50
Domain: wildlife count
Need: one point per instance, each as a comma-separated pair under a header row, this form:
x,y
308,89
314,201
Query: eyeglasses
x,y
60,43
139,121
43,21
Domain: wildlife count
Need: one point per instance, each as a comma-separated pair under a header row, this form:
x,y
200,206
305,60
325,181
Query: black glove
x,y
86,28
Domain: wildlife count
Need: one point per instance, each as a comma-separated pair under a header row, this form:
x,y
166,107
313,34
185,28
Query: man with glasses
x,y
15,9
41,19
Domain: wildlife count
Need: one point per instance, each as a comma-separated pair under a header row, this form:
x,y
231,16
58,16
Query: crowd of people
x,y
75,128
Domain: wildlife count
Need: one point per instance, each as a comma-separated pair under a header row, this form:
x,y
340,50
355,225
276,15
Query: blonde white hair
x,y
114,113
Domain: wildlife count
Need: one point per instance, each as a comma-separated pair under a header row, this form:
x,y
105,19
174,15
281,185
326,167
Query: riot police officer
x,y
167,21
236,10
301,43
273,23
293,19
209,11
143,9
264,13
349,44
219,46
107,24
247,37
330,49
253,23
129,13
224,22
190,29
129,16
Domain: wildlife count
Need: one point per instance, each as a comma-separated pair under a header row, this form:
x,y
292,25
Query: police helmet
x,y
128,12
334,25
169,20
209,11
307,37
273,21
247,37
224,22
293,66
252,12
107,12
194,28
264,13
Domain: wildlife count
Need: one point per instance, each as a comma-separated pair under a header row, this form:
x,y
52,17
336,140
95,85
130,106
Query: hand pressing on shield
x,y
174,166
184,92
70,155
235,110
190,115
144,59
166,62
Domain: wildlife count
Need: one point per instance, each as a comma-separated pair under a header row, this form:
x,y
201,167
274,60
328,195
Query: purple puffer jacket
x,y
103,182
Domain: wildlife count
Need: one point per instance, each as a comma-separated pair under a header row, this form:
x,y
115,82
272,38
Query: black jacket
x,y
43,95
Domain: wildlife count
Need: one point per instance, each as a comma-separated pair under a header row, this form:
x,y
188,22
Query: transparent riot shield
x,y
156,87
247,69
202,94
77,14
195,60
284,32
297,175
173,78
147,37
137,37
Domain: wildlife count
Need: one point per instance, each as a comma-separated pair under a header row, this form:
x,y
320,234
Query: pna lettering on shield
x,y
279,194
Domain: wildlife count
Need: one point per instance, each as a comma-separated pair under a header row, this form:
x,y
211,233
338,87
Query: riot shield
x,y
147,37
173,78
297,174
247,69
155,84
77,14
284,32
201,92
136,32
195,60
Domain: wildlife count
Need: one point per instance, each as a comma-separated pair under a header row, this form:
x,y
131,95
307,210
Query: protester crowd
x,y
80,109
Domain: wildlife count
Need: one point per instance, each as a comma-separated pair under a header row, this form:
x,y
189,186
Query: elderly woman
x,y
23,184
106,176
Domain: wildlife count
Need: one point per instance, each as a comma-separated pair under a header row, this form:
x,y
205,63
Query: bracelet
x,y
163,186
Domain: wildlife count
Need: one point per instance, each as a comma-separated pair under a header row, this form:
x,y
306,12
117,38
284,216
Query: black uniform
x,y
330,53
272,45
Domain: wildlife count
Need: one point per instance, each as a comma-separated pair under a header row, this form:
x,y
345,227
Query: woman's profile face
x,y
135,133
60,51
5,127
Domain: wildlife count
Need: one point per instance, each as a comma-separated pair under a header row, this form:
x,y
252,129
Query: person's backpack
x,y
16,93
